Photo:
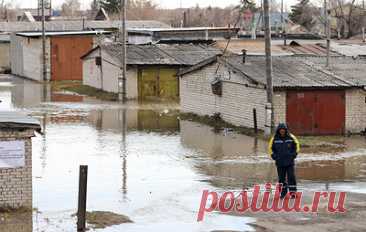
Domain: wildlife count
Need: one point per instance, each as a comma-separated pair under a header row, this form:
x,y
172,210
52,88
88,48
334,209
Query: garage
x,y
316,112
63,52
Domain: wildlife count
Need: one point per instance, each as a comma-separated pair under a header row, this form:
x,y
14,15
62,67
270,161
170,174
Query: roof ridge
x,y
327,72
225,60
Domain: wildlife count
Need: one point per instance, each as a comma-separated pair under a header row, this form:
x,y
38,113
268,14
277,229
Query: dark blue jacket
x,y
283,150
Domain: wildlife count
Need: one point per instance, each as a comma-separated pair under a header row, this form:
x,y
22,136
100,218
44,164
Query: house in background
x,y
63,52
151,69
303,91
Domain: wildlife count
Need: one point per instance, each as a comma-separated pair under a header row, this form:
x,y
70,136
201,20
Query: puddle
x,y
146,163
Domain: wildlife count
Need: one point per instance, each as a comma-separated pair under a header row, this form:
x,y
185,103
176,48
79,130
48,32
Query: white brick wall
x,y
279,106
16,183
236,103
355,110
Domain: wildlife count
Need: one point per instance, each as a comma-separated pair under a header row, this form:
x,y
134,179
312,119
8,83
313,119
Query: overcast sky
x,y
162,3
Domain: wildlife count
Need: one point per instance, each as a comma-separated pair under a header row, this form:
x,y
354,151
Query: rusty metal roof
x,y
289,72
163,54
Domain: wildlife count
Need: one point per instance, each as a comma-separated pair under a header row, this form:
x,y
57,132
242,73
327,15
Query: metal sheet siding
x,y
320,112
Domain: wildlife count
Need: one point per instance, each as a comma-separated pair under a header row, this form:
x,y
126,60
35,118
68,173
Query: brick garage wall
x,y
279,106
236,103
16,183
355,110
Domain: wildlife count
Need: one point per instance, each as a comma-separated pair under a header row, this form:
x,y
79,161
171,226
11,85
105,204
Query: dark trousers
x,y
290,184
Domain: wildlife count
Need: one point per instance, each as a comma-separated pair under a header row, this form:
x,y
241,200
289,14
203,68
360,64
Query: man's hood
x,y
282,126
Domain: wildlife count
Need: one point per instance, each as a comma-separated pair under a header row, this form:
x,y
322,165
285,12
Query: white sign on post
x,y
12,154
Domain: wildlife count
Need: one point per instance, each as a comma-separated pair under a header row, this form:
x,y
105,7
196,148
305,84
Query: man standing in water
x,y
283,148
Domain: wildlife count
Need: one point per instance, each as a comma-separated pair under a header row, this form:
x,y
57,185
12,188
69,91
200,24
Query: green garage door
x,y
158,83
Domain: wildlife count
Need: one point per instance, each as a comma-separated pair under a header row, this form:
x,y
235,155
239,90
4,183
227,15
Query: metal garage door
x,y
65,56
158,83
319,112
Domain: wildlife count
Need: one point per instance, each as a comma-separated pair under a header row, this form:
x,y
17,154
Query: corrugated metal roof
x,y
53,33
288,72
77,25
9,119
163,54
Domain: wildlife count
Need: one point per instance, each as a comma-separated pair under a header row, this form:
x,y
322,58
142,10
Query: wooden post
x,y
255,121
83,180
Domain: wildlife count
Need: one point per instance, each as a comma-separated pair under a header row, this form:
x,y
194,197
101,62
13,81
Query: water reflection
x,y
135,119
234,160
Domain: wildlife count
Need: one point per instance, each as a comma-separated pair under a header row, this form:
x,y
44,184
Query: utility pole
x,y
122,77
327,31
283,27
44,65
269,87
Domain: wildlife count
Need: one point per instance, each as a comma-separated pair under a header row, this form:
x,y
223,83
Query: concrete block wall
x,y
16,183
26,57
355,110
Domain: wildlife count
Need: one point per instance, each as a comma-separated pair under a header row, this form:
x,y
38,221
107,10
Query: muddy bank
x,y
103,219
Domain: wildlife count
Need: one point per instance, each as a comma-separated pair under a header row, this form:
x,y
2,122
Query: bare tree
x,y
71,8
349,17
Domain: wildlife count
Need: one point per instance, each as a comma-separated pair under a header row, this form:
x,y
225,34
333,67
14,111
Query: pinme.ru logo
x,y
266,199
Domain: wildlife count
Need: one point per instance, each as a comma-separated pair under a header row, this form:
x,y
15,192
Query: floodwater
x,y
145,163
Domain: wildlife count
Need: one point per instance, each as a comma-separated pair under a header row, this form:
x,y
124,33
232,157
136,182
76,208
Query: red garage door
x,y
319,112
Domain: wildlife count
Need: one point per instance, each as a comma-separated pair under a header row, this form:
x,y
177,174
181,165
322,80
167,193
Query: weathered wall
x,y
4,56
16,183
355,110
106,76
236,103
26,57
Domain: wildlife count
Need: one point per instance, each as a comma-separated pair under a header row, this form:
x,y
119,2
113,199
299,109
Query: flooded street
x,y
146,163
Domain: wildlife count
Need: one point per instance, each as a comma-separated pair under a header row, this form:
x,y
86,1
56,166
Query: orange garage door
x,y
65,56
